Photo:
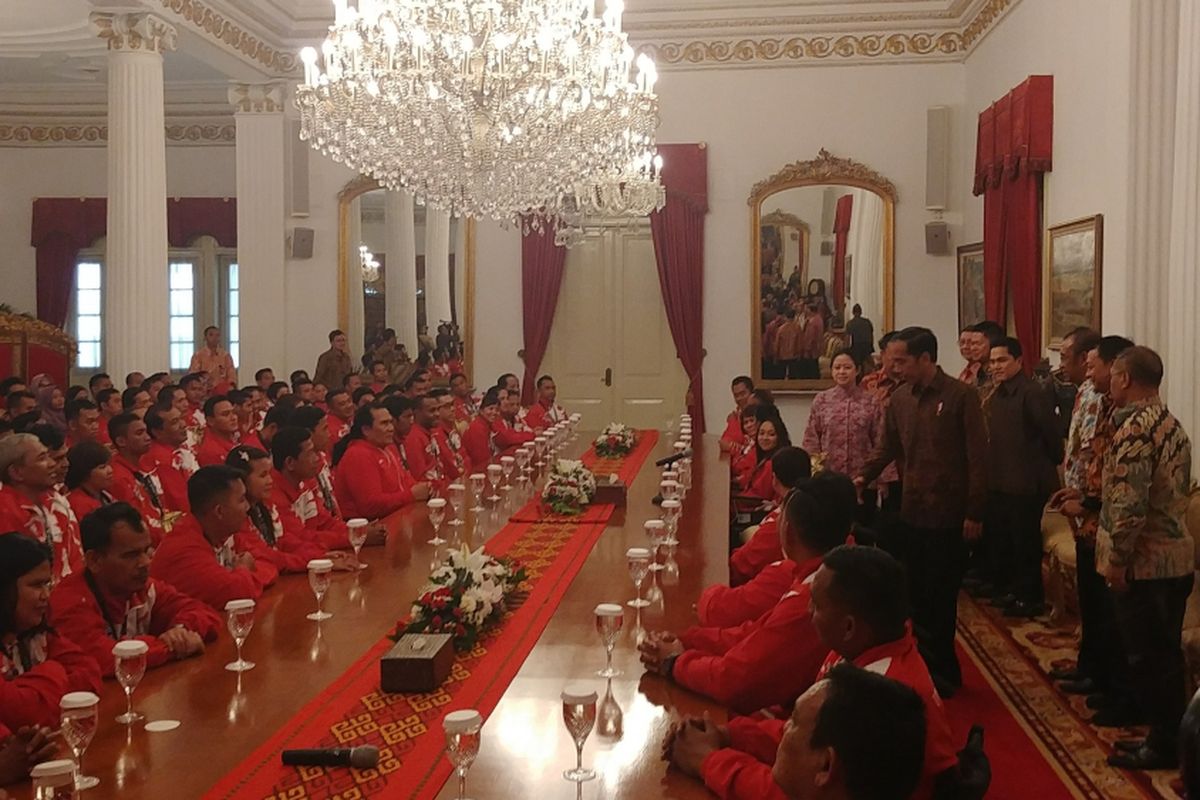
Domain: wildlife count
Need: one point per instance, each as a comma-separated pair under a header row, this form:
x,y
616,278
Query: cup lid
x,y
680,446
51,769
670,475
476,476
670,504
357,522
239,605
667,483
462,721
436,502
540,439
320,565
637,552
610,610
130,648
78,700
578,694
493,467
655,523
507,459
456,487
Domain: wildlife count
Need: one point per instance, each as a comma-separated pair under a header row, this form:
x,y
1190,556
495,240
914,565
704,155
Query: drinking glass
x,y
458,499
685,476
657,534
477,480
610,617
670,474
357,528
669,490
670,516
493,475
54,780
240,620
523,469
669,428
506,466
129,659
579,714
679,446
319,573
638,559
437,514
79,720
539,449
462,730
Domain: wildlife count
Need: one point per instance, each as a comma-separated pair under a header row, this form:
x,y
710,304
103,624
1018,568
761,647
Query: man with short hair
x,y
215,361
264,378
545,412
341,413
351,383
276,418
113,598
935,432
168,457
465,408
733,438
134,379
1071,373
445,436
971,346
362,396
194,386
130,484
155,383
1145,549
19,403
511,384
27,480
862,335
509,431
478,441
313,419
98,383
303,389
379,376
243,408
335,363
198,558
135,400
83,422
13,383
369,479
220,434
109,403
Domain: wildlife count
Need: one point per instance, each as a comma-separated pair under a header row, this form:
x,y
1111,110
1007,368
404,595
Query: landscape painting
x,y
1074,256
970,285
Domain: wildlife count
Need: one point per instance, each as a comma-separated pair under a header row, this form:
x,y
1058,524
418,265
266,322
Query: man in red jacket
x,y
369,479
422,455
27,501
168,456
859,609
220,434
774,659
114,598
83,422
545,412
452,456
198,558
478,440
464,405
130,484
732,438
341,414
509,430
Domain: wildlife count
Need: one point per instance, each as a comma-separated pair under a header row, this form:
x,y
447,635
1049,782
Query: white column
x,y
1183,361
401,266
357,320
258,114
135,296
437,268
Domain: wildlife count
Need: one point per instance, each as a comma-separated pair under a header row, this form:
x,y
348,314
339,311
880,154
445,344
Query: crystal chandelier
x,y
368,263
508,109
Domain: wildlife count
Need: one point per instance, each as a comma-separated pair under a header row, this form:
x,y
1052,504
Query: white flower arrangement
x,y
615,440
570,487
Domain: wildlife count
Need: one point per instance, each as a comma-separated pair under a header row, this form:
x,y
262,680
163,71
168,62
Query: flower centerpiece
x,y
615,440
570,486
464,596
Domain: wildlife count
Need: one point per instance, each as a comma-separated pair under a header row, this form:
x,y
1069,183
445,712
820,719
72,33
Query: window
x,y
89,302
232,305
181,288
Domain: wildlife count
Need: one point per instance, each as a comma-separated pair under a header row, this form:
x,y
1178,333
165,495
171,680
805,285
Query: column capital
x,y
257,98
135,31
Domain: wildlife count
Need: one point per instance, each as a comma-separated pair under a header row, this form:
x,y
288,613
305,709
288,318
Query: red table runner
x,y
407,727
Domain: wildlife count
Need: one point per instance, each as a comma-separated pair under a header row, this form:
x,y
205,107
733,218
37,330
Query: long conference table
x,y
525,745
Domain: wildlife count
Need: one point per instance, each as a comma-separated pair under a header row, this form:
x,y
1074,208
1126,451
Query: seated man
x,y
545,412
130,483
775,658
368,477
312,419
83,421
198,558
341,414
420,451
789,466
732,438
859,610
195,390
220,432
28,501
445,434
114,598
465,408
247,415
169,457
479,440
509,430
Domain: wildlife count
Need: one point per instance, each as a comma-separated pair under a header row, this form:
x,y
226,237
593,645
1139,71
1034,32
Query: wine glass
x,y
523,470
79,720
679,446
357,529
458,499
670,516
462,730
437,513
685,476
240,620
539,449
477,480
129,661
669,489
579,714
669,428
53,779
493,475
638,559
319,574
506,466
610,617
656,532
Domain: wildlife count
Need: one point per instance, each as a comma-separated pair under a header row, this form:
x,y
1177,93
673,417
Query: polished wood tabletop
x,y
224,716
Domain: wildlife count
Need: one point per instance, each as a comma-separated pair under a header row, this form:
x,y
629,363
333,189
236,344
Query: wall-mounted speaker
x,y
297,171
937,157
301,243
937,238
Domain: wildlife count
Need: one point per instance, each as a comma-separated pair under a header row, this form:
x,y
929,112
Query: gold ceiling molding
x,y
91,134
991,11
215,26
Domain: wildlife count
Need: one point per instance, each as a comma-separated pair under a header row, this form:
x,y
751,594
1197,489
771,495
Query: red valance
x,y
1016,134
190,217
685,173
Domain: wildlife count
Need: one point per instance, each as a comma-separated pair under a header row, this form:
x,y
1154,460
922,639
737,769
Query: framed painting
x,y
970,285
1074,267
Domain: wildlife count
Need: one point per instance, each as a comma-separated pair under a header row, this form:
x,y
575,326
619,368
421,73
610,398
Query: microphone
x,y
671,459
365,757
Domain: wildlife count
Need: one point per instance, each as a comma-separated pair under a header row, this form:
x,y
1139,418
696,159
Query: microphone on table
x,y
671,459
364,757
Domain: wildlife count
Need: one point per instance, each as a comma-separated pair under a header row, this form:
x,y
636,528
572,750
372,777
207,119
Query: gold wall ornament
x,y
263,98
216,27
133,31
96,135
983,21
825,168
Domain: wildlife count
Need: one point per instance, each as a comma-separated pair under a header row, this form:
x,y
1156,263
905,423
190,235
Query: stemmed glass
x,y
539,449
437,514
493,475
670,516
477,480
129,658
240,620
669,489
685,477
610,617
462,730
639,565
458,499
319,574
79,721
670,428
357,529
523,456
506,466
579,714
656,533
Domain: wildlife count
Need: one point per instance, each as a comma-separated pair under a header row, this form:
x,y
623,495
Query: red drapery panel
x,y
190,217
1013,150
62,226
541,277
678,232
841,235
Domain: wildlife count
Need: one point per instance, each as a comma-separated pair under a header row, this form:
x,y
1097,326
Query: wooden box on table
x,y
610,490
419,662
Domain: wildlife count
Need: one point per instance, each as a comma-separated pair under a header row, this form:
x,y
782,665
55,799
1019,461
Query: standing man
x,y
335,363
862,335
215,361
812,341
1145,550
935,433
733,438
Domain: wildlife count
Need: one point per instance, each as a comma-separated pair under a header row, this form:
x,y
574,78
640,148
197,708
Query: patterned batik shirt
x,y
1090,406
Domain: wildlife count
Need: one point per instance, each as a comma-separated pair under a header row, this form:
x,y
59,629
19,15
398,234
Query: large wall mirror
x,y
405,266
822,234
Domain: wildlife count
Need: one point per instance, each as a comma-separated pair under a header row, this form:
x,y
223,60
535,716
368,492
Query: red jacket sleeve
x,y
733,429
283,561
32,697
449,464
475,442
174,485
359,481
536,417
733,775
759,738
76,616
718,640
192,569
762,482
507,437
172,607
724,606
763,549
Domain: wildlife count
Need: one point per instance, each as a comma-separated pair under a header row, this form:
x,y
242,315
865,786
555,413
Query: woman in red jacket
x,y
759,488
89,474
37,666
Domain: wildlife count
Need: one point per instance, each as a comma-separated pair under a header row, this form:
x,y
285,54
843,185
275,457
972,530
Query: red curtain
x,y
841,235
678,232
541,277
1013,151
190,217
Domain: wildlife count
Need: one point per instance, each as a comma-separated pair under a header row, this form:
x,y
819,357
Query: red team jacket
x,y
187,561
722,606
128,489
50,521
172,469
763,548
300,502
213,450
370,482
29,692
294,546
477,442
733,429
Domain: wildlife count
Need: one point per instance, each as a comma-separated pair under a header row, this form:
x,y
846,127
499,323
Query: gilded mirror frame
x,y
360,186
825,170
